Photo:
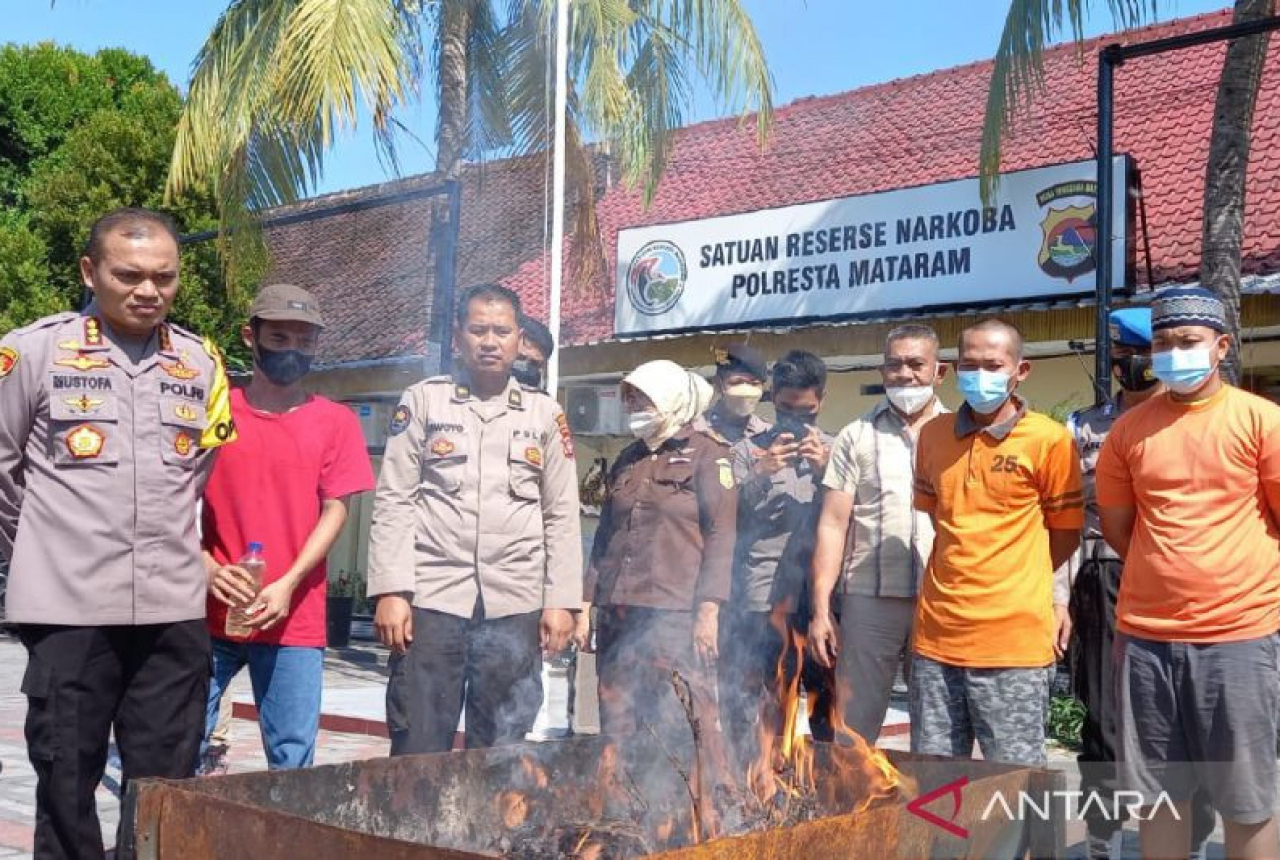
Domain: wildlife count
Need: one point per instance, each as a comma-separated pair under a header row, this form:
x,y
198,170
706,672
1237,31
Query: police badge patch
x,y
399,420
726,473
85,442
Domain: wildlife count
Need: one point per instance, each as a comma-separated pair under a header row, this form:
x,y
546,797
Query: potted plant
x,y
343,591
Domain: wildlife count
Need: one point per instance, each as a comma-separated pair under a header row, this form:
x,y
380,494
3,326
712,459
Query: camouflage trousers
x,y
1004,710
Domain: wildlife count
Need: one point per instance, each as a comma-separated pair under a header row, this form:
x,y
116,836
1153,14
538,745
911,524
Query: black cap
x,y
740,357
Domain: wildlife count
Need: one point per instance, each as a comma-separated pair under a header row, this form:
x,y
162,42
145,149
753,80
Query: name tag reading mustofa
x,y
92,383
193,392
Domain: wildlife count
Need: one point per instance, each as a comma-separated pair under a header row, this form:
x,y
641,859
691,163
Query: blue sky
x,y
815,47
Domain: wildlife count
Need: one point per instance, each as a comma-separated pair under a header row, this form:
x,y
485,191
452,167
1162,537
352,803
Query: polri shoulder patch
x,y
566,435
8,360
399,420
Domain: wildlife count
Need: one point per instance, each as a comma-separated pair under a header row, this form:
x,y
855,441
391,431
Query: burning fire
x,y
784,769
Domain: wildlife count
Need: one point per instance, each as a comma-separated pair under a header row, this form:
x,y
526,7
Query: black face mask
x,y
1135,372
527,373
283,367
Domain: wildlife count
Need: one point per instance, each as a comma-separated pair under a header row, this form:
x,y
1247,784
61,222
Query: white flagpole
x,y
557,192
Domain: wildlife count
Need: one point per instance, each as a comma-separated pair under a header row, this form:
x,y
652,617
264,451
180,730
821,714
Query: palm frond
x,y
1017,75
273,85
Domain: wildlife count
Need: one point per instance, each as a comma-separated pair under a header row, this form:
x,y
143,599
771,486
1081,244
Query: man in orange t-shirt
x,y
1189,488
1003,486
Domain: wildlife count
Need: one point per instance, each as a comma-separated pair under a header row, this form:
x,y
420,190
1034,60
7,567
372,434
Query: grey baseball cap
x,y
286,302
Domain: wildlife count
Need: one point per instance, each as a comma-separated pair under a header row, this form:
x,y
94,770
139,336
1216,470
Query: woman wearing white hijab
x,y
663,557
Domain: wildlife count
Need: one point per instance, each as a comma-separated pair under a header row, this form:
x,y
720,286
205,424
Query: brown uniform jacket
x,y
102,462
666,534
477,498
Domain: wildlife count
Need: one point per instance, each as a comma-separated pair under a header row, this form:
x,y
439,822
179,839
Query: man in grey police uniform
x,y
1097,584
475,524
108,421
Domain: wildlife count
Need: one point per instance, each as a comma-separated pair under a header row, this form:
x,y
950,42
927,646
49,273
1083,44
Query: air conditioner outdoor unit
x,y
595,410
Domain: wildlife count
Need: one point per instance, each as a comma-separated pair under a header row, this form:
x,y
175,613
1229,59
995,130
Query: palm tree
x,y
276,80
1017,77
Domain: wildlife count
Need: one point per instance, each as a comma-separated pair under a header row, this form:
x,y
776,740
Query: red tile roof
x,y
927,129
372,274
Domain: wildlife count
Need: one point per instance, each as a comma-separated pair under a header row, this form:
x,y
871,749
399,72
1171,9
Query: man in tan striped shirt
x,y
875,572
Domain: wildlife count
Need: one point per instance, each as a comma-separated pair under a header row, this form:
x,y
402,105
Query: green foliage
x,y
1066,719
80,135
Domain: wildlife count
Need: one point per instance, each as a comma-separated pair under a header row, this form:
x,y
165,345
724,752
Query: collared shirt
x,y
874,460
777,519
666,533
728,429
1090,427
994,492
103,456
477,499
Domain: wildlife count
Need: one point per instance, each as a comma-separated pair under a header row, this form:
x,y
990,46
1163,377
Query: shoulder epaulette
x,y
46,322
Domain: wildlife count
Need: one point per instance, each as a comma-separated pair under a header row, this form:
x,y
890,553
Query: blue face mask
x,y
1183,370
984,390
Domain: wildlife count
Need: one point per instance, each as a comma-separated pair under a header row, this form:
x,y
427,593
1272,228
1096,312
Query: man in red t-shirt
x,y
283,484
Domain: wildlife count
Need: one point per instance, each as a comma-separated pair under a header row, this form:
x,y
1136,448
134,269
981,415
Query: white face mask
x,y
643,424
910,399
741,399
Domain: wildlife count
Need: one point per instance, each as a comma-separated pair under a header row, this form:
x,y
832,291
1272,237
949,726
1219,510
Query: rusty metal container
x,y
528,801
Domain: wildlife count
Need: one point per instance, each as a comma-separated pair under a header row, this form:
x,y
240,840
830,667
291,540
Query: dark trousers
x,y
148,683
637,650
495,662
750,648
1093,680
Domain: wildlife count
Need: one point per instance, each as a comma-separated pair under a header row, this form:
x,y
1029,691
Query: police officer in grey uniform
x,y
108,423
475,526
739,385
1097,584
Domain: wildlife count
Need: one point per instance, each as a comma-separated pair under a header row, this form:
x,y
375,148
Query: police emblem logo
x,y
533,455
399,420
1069,231
8,360
726,473
183,443
178,370
185,412
85,442
84,403
83,363
442,447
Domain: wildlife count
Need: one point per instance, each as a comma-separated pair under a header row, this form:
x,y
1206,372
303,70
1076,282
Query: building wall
x,y
1058,382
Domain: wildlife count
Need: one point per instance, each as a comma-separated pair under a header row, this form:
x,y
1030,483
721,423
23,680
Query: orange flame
x,y
860,775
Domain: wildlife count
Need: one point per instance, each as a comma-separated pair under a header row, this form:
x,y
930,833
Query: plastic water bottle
x,y
254,563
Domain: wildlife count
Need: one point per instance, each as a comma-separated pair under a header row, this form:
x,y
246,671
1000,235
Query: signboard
x,y
910,249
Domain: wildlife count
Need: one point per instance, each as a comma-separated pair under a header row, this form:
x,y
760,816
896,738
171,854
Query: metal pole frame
x,y
1109,58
